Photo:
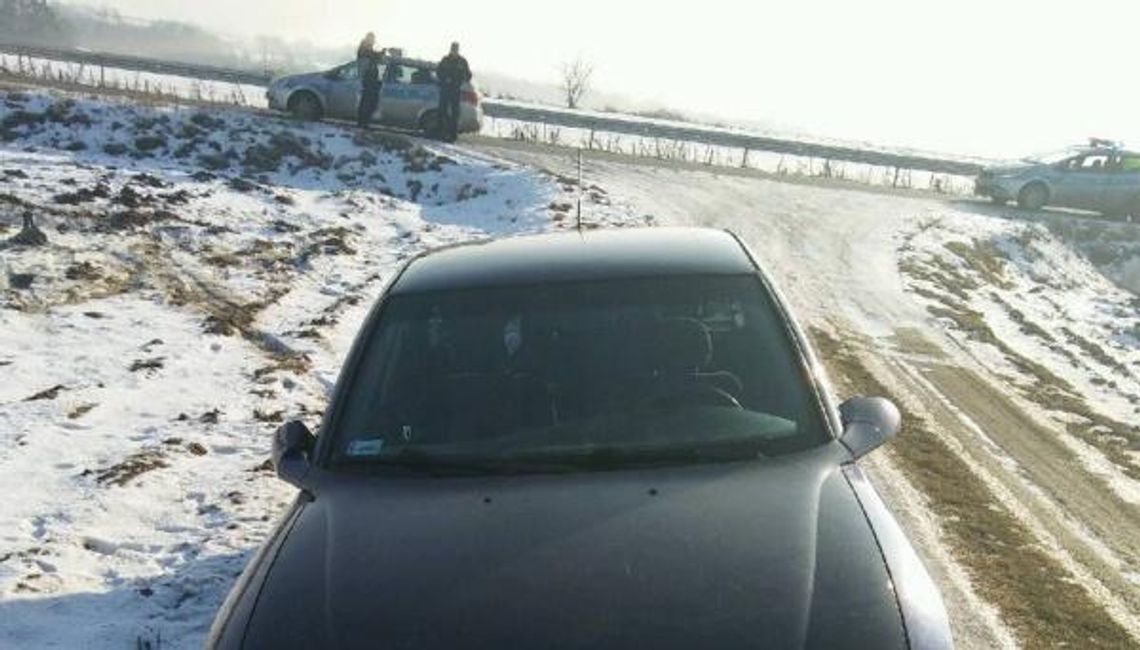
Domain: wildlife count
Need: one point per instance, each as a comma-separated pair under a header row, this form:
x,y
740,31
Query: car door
x,y
1081,181
409,90
343,91
1122,190
424,90
395,101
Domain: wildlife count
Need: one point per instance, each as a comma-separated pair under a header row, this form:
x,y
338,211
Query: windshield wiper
x,y
419,461
611,457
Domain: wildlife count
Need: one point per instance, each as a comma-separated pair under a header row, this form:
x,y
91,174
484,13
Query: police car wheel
x,y
1033,196
305,106
429,122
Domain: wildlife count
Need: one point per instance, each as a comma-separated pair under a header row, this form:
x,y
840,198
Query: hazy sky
x,y
974,76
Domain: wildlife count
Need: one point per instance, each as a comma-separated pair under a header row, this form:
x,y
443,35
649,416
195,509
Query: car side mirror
x,y
868,423
293,445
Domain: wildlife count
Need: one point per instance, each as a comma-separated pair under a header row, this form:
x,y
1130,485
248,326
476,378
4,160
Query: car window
x,y
348,72
1092,163
670,364
422,76
396,73
409,74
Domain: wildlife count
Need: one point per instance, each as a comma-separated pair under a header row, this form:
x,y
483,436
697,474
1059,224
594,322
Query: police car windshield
x,y
1053,157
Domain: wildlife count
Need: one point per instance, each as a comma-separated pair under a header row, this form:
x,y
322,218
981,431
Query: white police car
x,y
409,96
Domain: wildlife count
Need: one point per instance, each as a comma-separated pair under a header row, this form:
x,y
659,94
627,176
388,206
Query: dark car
x,y
618,439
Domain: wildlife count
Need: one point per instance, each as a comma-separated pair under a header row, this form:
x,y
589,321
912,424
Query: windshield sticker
x,y
359,448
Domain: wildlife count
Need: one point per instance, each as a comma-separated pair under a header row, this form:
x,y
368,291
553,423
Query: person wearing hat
x,y
452,72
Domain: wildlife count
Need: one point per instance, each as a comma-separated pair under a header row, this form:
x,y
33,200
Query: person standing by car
x,y
452,73
368,63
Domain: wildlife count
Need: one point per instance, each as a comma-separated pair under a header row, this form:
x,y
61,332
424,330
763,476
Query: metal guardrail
x,y
552,116
716,137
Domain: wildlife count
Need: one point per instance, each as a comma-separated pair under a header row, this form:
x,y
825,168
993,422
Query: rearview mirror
x,y
292,447
868,422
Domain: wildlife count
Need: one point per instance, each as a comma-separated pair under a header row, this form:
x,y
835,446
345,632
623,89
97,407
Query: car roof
x,y
386,60
573,256
412,63
1085,150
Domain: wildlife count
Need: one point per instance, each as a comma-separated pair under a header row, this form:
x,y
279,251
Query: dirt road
x,y
834,251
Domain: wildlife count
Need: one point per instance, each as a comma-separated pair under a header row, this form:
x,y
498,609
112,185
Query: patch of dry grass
x,y
1045,388
1034,594
984,258
131,467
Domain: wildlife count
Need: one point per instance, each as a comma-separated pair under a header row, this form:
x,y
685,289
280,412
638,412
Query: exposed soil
x,y
132,467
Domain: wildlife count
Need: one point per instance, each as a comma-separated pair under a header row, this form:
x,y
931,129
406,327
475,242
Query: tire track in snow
x,y
834,252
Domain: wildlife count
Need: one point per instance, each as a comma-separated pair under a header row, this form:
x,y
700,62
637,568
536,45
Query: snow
x,y
207,272
174,319
158,548
1051,305
976,623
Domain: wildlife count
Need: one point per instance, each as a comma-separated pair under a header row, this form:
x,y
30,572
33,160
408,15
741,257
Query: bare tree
x,y
576,80
29,20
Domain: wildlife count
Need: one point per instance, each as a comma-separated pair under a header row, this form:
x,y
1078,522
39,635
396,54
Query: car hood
x,y
1012,168
294,80
771,553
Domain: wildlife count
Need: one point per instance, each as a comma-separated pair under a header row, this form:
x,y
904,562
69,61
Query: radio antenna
x,y
579,190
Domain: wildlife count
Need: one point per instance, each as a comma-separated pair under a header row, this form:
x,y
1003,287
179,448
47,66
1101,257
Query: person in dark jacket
x,y
368,64
452,73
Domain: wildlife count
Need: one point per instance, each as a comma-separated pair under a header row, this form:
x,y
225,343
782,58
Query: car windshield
x,y
609,374
1052,157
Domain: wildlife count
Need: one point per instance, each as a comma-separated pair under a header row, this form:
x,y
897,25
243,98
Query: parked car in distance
x,y
615,439
1101,177
409,96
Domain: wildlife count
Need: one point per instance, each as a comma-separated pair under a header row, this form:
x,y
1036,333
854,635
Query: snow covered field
x,y
205,274
206,271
